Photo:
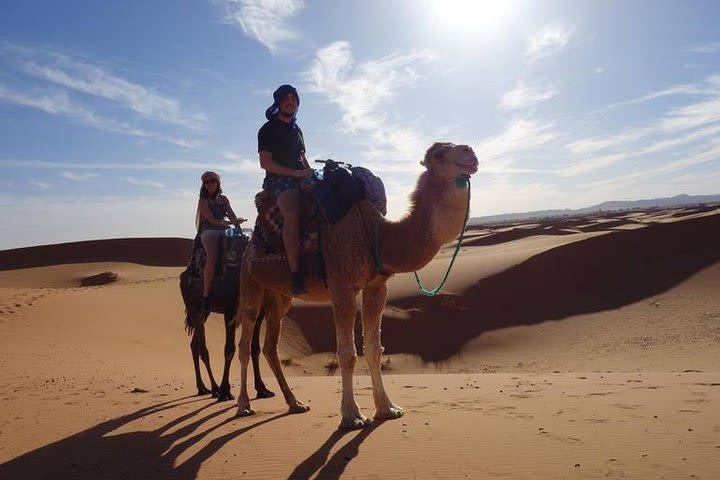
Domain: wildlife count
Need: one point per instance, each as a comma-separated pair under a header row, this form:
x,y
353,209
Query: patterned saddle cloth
x,y
230,252
327,198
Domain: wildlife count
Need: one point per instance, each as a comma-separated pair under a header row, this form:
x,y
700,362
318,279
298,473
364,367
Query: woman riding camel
x,y
214,214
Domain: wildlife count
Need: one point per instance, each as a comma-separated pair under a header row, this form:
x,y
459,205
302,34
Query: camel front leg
x,y
247,322
345,311
199,348
373,302
270,349
224,393
195,350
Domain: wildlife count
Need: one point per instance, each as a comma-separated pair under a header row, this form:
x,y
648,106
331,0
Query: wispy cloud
x,y
691,116
693,123
79,177
593,163
43,185
148,164
59,103
143,183
90,79
547,40
523,96
362,91
709,153
591,145
713,47
359,89
241,162
267,21
519,136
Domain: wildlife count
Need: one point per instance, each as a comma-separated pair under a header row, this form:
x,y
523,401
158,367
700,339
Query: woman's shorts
x,y
210,241
279,183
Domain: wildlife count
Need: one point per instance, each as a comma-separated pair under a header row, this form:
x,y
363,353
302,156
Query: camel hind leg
x,y
373,302
260,388
251,300
276,310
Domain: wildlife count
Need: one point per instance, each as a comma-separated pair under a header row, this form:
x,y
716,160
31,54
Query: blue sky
x,y
110,111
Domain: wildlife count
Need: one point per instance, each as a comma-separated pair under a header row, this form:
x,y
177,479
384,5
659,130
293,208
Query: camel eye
x,y
441,152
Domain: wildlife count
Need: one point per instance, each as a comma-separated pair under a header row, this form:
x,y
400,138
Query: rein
x,y
463,181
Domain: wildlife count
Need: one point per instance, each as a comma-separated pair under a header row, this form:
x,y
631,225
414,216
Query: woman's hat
x,y
210,174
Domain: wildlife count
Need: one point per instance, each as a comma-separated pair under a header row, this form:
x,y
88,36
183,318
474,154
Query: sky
x,y
110,111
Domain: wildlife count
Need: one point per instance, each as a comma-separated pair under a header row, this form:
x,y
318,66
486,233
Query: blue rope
x,y
463,182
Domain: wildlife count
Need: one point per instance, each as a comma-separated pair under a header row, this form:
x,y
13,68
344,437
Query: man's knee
x,y
289,203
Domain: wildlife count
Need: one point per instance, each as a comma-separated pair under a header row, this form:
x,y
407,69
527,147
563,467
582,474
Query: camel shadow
x,y
592,275
99,453
333,467
597,274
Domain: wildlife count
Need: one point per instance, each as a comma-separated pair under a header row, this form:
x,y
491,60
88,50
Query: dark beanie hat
x,y
278,95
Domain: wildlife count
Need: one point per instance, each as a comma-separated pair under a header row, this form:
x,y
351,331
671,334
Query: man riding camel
x,y
282,155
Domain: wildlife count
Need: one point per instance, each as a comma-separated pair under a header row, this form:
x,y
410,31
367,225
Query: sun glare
x,y
479,17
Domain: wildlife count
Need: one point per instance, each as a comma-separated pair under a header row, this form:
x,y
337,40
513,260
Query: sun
x,y
479,17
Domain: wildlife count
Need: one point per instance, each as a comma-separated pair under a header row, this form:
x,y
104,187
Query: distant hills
x,y
611,206
157,252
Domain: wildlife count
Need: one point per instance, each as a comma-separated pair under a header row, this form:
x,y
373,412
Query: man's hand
x,y
303,173
239,220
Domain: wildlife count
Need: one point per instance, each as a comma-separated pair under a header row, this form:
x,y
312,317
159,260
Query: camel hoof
x,y
202,390
224,397
390,414
298,407
245,412
264,393
355,423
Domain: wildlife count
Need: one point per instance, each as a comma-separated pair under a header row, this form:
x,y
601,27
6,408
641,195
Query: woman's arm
x,y
207,215
231,215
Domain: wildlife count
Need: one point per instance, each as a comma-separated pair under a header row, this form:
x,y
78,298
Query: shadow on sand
x,y
592,275
333,467
98,453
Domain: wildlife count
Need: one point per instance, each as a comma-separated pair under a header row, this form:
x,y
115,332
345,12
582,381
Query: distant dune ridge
x,y
588,346
682,200
155,252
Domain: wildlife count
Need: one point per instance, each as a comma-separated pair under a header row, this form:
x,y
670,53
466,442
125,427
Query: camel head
x,y
449,161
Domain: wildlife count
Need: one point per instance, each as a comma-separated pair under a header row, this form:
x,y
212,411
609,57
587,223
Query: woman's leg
x,y
209,240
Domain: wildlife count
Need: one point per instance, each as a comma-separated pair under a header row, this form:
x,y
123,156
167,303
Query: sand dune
x,y
161,252
584,348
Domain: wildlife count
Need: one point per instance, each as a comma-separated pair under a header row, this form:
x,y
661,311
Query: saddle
x,y
230,252
271,260
325,199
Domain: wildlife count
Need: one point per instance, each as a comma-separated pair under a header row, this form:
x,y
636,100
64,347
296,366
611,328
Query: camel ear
x,y
435,152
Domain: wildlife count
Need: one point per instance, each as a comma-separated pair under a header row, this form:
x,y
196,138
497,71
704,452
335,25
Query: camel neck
x,y
437,217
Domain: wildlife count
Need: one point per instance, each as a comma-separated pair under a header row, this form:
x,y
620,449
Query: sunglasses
x,y
210,182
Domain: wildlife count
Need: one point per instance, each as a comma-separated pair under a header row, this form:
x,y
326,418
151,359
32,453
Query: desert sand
x,y
574,348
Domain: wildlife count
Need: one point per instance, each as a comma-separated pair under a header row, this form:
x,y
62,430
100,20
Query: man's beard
x,y
286,113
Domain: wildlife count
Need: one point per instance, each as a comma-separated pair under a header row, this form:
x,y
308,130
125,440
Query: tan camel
x,y
436,217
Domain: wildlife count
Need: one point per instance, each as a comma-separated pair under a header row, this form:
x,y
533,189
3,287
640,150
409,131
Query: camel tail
x,y
185,290
189,327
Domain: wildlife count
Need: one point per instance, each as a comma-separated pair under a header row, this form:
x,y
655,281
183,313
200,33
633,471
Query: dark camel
x,y
225,301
